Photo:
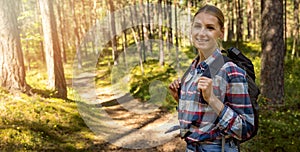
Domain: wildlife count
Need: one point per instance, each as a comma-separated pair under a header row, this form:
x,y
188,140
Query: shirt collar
x,y
208,61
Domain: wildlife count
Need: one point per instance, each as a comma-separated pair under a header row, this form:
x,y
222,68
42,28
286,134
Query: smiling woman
x,y
214,109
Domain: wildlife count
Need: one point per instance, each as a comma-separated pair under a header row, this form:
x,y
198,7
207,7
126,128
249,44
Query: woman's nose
x,y
203,31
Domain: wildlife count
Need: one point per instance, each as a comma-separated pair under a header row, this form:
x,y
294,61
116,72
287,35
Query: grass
x,y
40,124
155,78
279,126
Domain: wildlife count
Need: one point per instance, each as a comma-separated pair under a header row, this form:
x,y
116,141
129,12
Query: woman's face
x,y
205,32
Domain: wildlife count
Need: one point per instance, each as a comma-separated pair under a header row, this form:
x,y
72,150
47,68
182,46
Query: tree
x,y
143,30
77,34
12,70
250,19
149,28
60,28
239,22
56,77
272,68
161,49
296,40
113,30
133,17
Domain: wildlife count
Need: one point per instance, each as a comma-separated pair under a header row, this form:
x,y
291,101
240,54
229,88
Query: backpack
x,y
236,56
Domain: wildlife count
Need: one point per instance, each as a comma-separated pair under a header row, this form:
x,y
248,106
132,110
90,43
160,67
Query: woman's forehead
x,y
206,17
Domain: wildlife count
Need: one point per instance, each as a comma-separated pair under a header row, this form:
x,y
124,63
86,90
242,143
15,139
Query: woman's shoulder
x,y
232,70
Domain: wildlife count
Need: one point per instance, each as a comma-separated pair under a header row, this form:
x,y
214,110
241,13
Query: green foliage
x,y
140,82
279,125
41,122
278,130
37,123
292,78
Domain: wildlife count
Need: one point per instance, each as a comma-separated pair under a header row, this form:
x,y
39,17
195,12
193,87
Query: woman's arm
x,y
236,117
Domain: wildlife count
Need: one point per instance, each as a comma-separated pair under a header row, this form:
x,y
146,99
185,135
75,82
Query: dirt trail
x,y
117,118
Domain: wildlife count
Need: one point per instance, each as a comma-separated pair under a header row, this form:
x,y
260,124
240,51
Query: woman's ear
x,y
222,34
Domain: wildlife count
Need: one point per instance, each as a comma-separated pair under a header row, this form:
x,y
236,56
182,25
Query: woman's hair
x,y
212,10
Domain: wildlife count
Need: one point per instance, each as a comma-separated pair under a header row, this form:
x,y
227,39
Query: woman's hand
x,y
205,85
173,87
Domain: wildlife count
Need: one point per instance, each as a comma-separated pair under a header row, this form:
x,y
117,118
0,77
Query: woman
x,y
214,108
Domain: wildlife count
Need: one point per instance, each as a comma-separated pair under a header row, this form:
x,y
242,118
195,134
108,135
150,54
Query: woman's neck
x,y
205,54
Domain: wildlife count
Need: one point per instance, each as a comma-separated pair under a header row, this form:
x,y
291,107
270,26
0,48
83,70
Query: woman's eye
x,y
197,26
211,28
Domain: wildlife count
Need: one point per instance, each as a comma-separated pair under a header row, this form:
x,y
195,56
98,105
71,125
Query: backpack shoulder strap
x,y
217,64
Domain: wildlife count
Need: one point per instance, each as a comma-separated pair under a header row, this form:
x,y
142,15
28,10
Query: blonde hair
x,y
212,10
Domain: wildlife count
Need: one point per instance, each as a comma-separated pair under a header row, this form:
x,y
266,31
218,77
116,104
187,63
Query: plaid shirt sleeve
x,y
237,117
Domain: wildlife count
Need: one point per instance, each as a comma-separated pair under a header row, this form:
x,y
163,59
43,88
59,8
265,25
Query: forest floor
x,y
122,123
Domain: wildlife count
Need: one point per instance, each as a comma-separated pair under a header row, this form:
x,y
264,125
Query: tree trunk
x,y
133,16
257,24
56,77
176,35
113,31
226,24
77,34
231,21
285,26
189,19
149,28
170,33
124,38
250,20
296,30
272,67
143,28
12,70
60,29
239,21
161,43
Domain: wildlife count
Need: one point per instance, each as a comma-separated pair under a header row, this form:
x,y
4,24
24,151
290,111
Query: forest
x,y
93,75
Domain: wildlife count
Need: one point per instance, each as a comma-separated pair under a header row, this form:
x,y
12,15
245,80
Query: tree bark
x,y
60,28
56,77
272,68
77,34
231,21
250,19
161,49
149,28
137,39
124,39
295,51
113,31
257,24
170,33
12,70
176,35
226,23
143,29
239,21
